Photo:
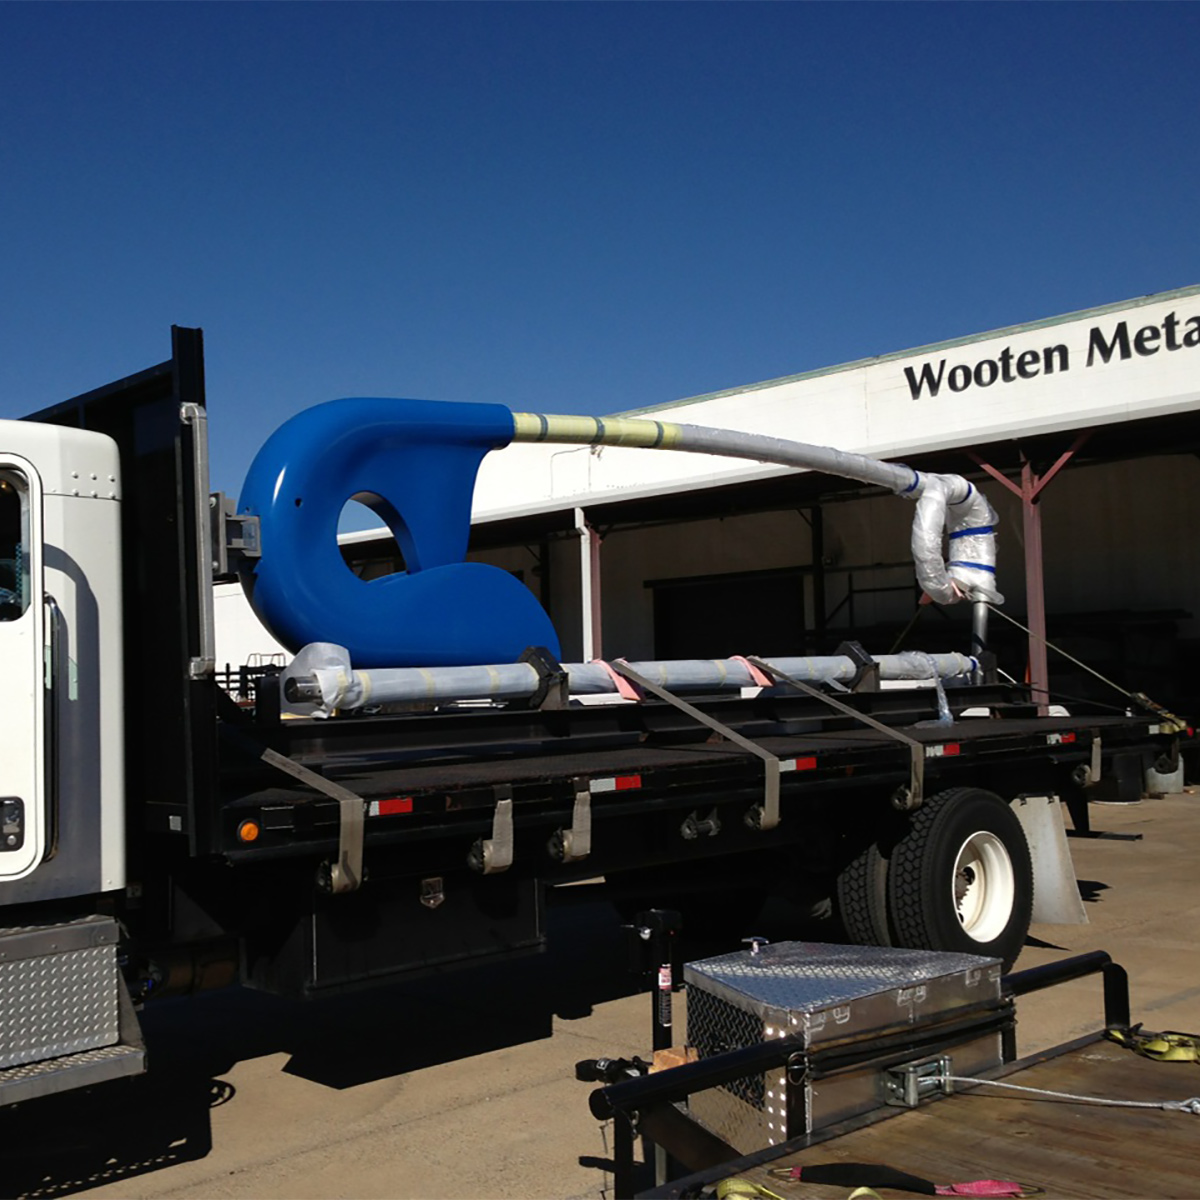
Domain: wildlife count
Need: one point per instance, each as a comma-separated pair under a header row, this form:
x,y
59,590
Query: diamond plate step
x,y
89,1067
66,1019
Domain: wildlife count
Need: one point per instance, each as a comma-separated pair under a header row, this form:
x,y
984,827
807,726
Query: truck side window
x,y
14,587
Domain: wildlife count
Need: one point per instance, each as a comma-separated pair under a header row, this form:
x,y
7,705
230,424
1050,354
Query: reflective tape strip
x,y
948,750
798,764
395,806
618,783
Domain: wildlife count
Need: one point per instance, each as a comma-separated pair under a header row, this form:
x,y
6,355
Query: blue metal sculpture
x,y
413,462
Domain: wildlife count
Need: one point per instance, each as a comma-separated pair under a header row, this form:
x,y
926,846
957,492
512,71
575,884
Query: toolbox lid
x,y
815,985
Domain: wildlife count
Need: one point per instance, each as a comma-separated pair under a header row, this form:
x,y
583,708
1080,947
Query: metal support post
x,y
979,628
817,523
545,578
622,1157
1030,493
1035,585
589,587
657,934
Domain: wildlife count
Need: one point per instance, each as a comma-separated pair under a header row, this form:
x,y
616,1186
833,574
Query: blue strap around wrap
x,y
413,463
973,565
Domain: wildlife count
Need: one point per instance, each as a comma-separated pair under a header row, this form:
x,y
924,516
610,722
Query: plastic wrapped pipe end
x,y
322,680
976,585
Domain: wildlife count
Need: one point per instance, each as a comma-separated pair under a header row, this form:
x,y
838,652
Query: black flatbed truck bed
x,y
226,850
450,788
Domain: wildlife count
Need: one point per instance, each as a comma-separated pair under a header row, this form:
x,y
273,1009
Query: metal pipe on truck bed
x,y
322,676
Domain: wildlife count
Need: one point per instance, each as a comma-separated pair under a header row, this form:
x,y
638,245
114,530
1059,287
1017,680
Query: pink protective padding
x,y
756,673
625,687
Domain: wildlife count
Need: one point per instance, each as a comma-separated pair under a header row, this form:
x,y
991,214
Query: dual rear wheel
x,y
956,876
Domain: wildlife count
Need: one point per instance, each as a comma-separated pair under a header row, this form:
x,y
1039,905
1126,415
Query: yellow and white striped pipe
x,y
596,431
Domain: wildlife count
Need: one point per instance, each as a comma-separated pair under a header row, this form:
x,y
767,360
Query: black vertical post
x,y
656,958
1008,1043
622,1157
1116,996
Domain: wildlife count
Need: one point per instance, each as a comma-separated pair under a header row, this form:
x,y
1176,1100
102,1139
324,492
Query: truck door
x,y
23,658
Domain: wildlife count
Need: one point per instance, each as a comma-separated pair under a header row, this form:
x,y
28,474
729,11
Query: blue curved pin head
x,y
414,462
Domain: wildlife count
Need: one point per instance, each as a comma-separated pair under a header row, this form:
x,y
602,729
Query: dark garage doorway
x,y
716,616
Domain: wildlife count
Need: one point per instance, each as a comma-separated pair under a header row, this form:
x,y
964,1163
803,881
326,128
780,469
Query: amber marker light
x,y
248,831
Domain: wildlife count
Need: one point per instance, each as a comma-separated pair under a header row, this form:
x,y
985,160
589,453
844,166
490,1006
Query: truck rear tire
x,y
961,878
862,898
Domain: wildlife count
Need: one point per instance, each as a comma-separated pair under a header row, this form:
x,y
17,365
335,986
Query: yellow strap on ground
x,y
1167,1046
743,1189
595,431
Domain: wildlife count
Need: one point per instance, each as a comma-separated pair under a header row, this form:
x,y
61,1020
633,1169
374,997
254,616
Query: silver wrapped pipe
x,y
321,680
945,503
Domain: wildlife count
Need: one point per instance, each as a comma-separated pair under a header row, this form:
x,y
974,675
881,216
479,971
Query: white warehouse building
x,y
1082,430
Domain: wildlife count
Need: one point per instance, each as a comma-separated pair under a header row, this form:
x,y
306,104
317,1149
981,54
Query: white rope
x,y
1189,1106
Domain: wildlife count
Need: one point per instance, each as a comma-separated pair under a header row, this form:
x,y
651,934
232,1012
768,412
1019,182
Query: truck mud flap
x,y
1055,893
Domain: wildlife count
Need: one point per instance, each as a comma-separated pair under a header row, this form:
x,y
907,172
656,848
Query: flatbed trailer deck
x,y
1084,1118
1062,1148
441,784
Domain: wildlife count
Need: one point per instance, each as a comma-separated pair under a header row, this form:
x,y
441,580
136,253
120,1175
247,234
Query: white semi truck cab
x,y
160,834
62,745
62,753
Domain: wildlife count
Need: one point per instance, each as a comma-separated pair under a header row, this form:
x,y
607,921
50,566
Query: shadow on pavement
x,y
65,1144
70,1143
1090,889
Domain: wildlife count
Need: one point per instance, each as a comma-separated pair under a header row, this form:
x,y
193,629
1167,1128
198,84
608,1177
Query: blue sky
x,y
565,206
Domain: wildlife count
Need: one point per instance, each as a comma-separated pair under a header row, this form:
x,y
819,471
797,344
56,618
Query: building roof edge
x,y
920,351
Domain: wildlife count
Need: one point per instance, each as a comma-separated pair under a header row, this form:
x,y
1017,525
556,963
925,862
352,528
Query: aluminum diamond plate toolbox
x,y
829,999
59,991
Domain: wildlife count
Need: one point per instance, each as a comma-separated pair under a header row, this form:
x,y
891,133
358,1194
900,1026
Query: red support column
x,y
1035,585
1030,494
